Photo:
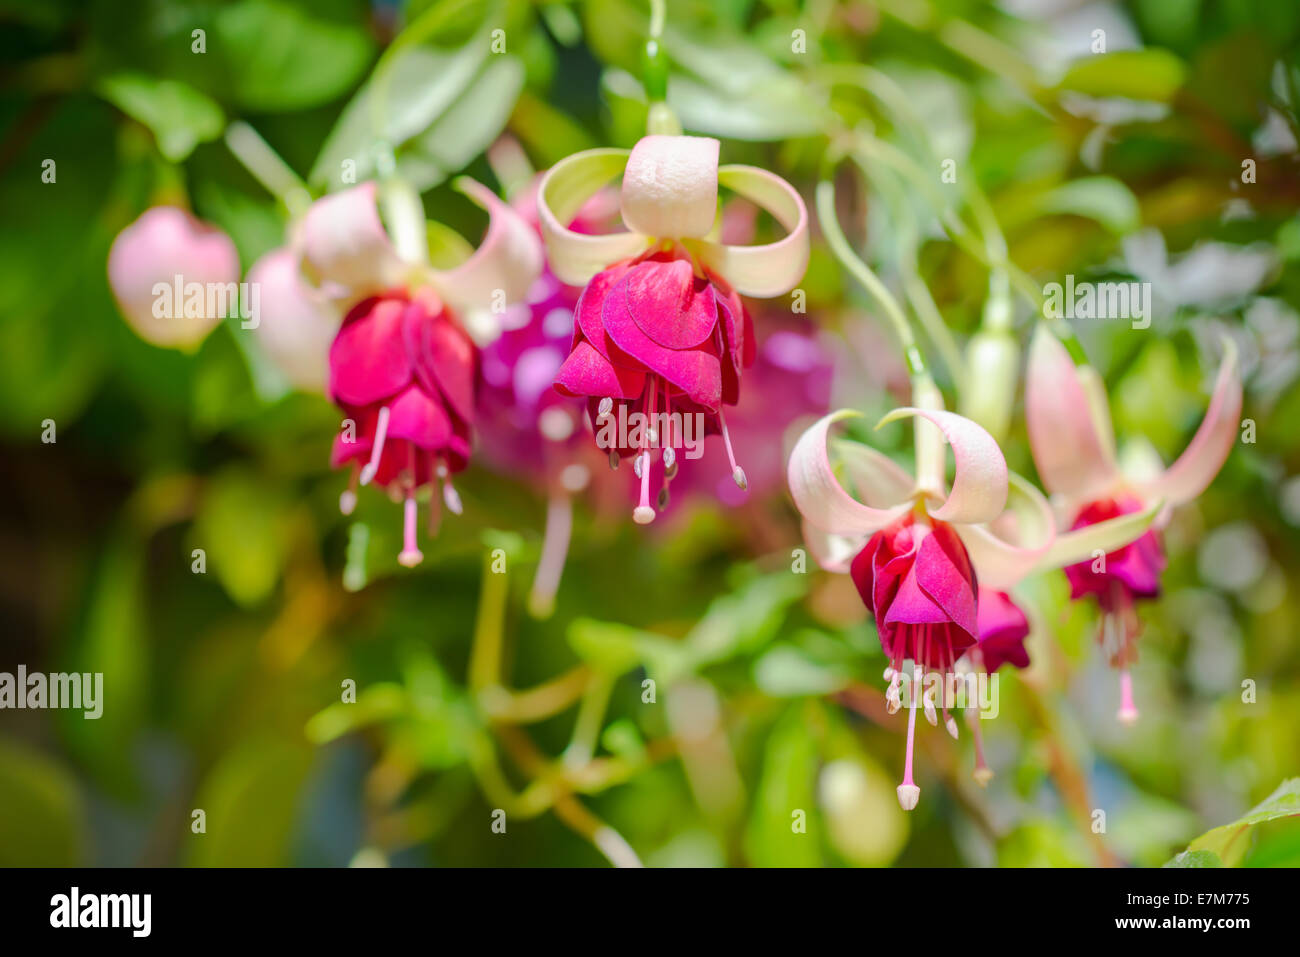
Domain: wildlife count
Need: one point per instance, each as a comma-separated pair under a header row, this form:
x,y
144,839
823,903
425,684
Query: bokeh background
x,y
223,688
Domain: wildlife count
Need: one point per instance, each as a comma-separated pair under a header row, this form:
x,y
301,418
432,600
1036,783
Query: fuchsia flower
x,y
1073,445
928,556
164,243
660,327
402,366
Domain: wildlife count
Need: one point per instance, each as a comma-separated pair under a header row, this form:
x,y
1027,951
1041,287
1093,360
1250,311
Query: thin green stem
x,y
266,166
863,273
590,720
658,14
489,631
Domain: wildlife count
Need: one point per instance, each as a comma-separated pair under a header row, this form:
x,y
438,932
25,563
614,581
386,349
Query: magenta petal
x,y
419,419
731,337
670,304
943,572
587,373
368,360
1002,631
697,372
444,357
591,307
343,451
912,605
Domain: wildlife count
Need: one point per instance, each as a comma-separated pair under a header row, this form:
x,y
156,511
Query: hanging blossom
x,y
933,563
527,428
160,269
1073,445
661,331
402,365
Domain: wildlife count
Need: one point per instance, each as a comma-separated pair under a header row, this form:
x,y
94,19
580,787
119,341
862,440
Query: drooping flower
x,y
161,269
661,329
403,367
934,552
528,429
1073,445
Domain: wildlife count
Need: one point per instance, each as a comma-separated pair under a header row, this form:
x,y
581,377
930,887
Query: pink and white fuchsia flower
x,y
402,366
1073,444
933,562
660,327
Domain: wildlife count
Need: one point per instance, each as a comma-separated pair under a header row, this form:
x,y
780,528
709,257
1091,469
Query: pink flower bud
x,y
169,272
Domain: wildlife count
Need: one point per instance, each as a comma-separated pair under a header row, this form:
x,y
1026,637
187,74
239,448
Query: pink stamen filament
x,y
1128,712
643,514
410,555
908,792
376,450
555,548
982,773
449,494
737,473
348,498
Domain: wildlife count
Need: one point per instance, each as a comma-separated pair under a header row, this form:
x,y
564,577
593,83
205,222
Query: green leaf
x,y
467,128
1151,74
617,649
111,639
1100,198
787,671
783,824
241,526
284,58
42,817
1195,859
1230,842
778,108
250,800
179,116
744,620
420,85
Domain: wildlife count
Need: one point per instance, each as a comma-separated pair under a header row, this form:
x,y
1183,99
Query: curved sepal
x,y
506,263
818,494
1084,543
344,245
1072,456
772,269
979,483
1200,462
566,187
1007,549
